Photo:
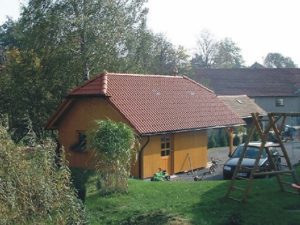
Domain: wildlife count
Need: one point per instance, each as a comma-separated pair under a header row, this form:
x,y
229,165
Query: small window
x,y
80,144
165,145
279,102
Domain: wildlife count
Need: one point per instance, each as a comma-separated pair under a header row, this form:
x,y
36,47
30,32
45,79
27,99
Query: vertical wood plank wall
x,y
85,111
193,144
81,117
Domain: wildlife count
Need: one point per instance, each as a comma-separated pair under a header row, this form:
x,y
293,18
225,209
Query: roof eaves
x,y
50,125
190,130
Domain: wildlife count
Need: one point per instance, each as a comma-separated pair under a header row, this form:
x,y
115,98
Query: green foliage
x,y
256,136
217,138
113,143
223,138
276,60
216,54
79,179
33,190
244,138
228,55
236,140
56,45
212,143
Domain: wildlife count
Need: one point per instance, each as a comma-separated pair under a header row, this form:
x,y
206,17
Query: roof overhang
x,y
190,130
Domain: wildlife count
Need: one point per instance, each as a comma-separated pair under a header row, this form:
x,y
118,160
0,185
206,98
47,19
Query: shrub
x,y
113,143
212,141
32,189
223,138
236,140
79,178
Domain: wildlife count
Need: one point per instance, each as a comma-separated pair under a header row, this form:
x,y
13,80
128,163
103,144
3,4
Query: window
x,y
165,145
80,144
279,102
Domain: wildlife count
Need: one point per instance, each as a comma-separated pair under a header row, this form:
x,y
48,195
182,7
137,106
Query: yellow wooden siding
x,y
152,159
81,117
193,144
85,111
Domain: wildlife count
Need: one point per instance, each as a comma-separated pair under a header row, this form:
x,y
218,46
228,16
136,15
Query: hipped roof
x,y
157,104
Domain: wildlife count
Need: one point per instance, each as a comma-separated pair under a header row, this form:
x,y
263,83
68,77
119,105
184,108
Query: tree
x,y
113,143
52,48
276,60
216,54
152,53
207,47
228,55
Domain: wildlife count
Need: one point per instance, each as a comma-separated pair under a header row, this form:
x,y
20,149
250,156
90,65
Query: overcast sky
x,y
257,26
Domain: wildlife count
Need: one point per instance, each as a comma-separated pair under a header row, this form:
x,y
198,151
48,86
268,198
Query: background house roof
x,y
155,104
242,105
251,82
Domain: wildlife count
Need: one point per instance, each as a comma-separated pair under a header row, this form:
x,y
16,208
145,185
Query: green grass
x,y
193,203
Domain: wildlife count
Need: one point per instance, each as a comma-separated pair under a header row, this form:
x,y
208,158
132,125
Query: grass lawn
x,y
193,203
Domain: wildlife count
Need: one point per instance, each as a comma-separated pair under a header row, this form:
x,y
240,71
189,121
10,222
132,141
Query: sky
x,y
258,27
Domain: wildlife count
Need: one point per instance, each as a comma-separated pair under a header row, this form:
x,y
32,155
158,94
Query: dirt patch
x,y
156,218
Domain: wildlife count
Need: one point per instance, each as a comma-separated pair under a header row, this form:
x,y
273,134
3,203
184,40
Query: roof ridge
x,y
145,75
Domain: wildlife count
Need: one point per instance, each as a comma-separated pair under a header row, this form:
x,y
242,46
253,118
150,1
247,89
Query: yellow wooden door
x,y
167,153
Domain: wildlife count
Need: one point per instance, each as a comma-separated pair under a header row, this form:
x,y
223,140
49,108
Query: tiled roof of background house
x,y
155,104
242,105
251,82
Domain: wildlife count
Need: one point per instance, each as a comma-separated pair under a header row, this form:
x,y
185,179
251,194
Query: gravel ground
x,y
221,154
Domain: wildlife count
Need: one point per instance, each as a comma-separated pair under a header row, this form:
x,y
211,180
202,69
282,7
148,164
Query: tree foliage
x,y
216,54
276,60
113,143
228,55
33,190
57,45
207,47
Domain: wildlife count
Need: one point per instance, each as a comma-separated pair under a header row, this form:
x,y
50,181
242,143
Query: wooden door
x,y
167,153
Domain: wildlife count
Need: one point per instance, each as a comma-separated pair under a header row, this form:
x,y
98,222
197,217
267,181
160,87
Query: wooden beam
x,y
230,136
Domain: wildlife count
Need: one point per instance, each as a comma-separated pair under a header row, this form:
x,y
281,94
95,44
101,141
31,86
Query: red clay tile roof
x,y
156,104
251,82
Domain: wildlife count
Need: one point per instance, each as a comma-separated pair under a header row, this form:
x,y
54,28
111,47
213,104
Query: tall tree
x,y
216,54
206,50
52,48
276,60
228,55
57,44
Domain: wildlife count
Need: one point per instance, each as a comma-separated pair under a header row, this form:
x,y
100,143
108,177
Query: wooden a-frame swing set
x,y
238,190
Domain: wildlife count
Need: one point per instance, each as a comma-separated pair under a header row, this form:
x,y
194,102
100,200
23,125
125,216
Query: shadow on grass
x,y
266,204
202,203
156,218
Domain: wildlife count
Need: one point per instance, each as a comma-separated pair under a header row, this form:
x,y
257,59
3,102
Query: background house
x,y
274,90
243,106
170,114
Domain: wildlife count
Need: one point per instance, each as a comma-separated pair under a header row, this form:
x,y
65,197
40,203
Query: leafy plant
x,y
114,144
236,140
212,141
33,190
